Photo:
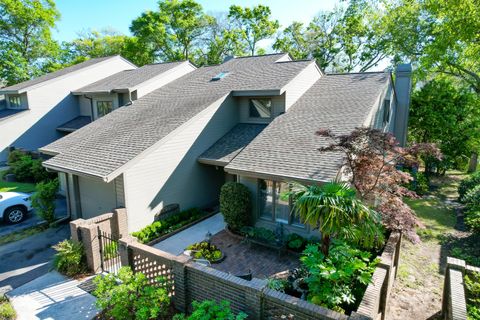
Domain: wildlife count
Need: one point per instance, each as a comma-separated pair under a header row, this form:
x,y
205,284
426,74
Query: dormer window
x,y
386,111
260,108
104,107
15,102
220,76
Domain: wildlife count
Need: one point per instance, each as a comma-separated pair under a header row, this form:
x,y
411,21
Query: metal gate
x,y
109,254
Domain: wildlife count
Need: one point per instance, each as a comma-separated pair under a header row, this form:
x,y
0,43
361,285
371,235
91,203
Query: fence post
x,y
119,223
180,282
454,302
91,244
254,298
75,229
124,250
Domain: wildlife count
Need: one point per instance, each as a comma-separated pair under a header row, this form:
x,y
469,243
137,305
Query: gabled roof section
x,y
128,79
24,86
104,147
288,147
230,145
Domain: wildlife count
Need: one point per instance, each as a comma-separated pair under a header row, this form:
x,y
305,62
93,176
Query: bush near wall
x,y
235,205
163,227
467,184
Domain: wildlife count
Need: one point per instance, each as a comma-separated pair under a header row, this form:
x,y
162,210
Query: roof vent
x,y
228,58
220,76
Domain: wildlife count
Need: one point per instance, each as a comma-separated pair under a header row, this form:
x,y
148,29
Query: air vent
x,y
220,76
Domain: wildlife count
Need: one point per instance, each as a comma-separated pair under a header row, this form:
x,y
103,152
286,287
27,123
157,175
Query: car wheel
x,y
15,214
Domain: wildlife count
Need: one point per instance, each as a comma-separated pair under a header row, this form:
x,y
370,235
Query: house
x,y
41,110
249,119
34,109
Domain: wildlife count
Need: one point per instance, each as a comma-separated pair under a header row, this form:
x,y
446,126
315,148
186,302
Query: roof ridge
x,y
349,73
260,55
158,63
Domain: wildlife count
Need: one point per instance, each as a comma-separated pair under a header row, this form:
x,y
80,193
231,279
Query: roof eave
x,y
11,91
256,93
213,162
272,176
71,171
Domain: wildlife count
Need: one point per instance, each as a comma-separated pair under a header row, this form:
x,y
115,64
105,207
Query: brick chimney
x,y
403,87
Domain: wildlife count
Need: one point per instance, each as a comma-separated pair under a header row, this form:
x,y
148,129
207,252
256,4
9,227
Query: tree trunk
x,y
472,164
325,246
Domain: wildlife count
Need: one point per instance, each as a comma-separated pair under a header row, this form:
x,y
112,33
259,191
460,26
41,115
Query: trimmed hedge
x,y
28,169
235,205
163,227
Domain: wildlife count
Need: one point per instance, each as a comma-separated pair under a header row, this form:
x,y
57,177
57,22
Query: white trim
x,y
41,84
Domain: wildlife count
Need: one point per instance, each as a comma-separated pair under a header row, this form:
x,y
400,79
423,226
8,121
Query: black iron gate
x,y
109,254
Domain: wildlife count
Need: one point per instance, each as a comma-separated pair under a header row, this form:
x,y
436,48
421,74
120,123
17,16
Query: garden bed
x,y
163,229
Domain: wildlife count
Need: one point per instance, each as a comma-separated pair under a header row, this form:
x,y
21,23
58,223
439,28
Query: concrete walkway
x,y
52,296
196,233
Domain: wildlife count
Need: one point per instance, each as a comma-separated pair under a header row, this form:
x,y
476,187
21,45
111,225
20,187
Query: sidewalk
x,y
52,296
196,233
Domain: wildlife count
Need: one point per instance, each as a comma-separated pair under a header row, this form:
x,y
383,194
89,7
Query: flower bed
x,y
157,231
205,250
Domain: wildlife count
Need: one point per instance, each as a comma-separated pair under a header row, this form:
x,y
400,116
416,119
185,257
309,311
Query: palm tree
x,y
334,210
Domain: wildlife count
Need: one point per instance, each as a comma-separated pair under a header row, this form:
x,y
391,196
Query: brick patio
x,y
242,257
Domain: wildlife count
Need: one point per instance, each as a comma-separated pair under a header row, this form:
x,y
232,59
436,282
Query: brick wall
x,y
454,303
375,300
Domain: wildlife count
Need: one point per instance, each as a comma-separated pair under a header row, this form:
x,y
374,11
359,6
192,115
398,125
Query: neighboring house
x,y
250,119
102,97
32,110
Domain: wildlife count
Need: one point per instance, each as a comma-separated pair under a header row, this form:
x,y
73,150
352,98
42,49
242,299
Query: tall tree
x,y
448,115
439,35
172,32
25,37
345,39
253,24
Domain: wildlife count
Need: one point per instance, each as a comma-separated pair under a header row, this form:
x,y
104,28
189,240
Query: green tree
x,y
25,38
342,40
334,210
448,115
171,33
253,24
44,199
438,35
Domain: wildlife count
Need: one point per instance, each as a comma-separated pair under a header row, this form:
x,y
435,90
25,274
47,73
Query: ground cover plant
x,y
205,250
163,227
6,309
70,258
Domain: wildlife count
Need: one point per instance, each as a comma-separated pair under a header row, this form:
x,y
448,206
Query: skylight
x,y
221,75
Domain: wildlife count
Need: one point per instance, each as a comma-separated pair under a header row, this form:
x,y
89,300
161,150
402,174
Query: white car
x,y
14,206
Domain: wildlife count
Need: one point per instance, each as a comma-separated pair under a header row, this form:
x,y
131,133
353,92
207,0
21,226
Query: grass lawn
x,y
15,186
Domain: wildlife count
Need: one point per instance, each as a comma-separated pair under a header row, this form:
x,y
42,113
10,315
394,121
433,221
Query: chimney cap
x,y
404,68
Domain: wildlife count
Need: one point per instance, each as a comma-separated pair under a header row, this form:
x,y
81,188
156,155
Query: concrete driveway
x,y
26,259
33,219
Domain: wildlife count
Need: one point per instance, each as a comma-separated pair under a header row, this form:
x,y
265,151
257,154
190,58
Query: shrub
x,y
472,285
422,183
162,227
472,198
296,242
277,284
260,234
467,184
204,250
27,169
44,199
235,205
211,310
472,220
338,280
70,258
6,310
130,296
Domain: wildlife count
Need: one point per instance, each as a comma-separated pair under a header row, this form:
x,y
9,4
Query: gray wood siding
x,y
170,172
96,197
300,84
243,103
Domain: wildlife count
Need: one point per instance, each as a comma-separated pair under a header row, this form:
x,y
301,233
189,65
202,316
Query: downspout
x,y
91,106
129,102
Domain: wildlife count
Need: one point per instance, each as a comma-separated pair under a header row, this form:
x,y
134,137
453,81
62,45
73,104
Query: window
x,y
275,202
260,108
220,76
386,111
15,102
104,107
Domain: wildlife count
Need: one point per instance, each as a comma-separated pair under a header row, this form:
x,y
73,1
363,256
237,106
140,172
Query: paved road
x,y
33,219
26,259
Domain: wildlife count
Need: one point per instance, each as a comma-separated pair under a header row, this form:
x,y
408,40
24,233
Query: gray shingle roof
x,y
113,140
230,145
74,124
129,78
53,75
288,147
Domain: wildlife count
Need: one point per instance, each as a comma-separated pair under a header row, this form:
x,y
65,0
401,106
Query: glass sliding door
x,y
265,199
282,202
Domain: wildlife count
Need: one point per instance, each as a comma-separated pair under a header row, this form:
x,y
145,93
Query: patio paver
x,y
242,257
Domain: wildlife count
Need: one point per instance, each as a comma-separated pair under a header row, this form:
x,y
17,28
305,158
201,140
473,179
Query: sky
x,y
78,16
